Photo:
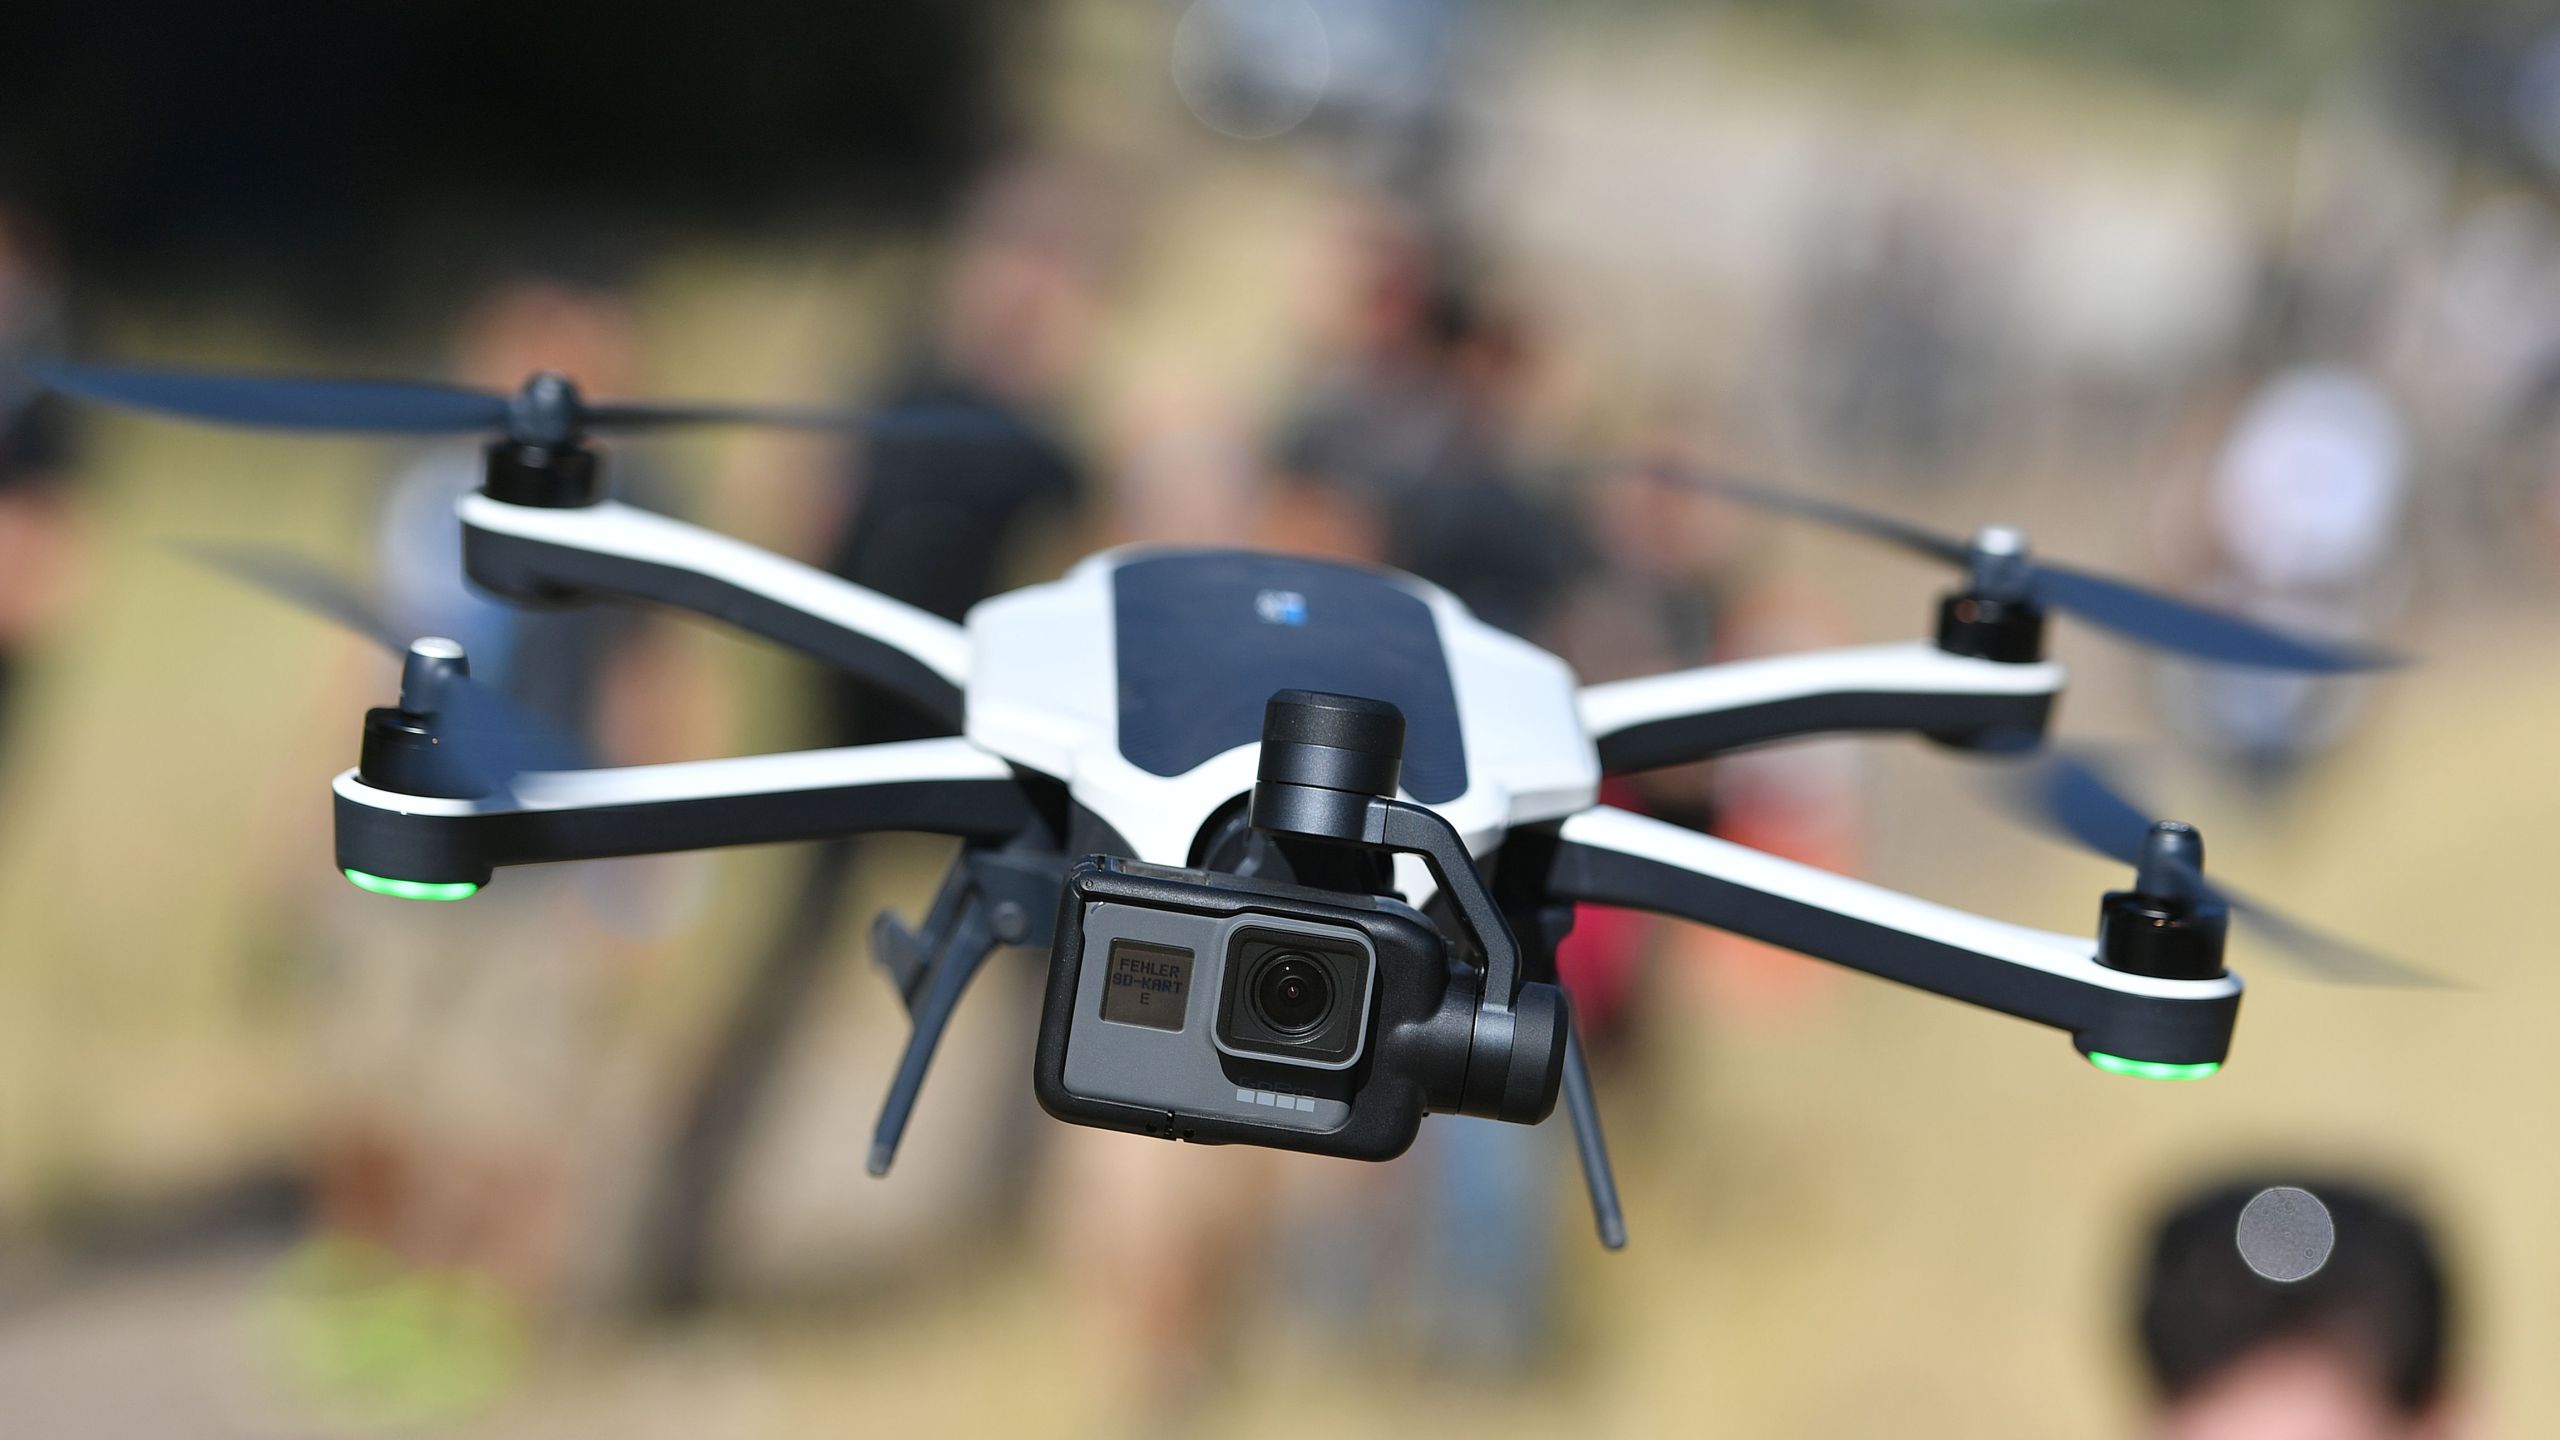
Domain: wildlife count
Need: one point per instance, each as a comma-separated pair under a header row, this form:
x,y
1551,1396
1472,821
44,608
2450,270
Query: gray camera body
x,y
1207,1005
1196,1005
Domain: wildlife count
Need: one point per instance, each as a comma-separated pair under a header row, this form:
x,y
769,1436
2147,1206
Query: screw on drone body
x,y
2170,925
1012,923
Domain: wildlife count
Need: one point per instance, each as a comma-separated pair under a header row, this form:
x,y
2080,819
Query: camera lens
x,y
1294,994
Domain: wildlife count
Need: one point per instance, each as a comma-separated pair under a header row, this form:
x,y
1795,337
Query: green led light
x,y
2152,1069
414,889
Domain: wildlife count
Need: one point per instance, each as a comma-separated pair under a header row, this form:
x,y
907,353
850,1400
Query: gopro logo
x,y
1281,607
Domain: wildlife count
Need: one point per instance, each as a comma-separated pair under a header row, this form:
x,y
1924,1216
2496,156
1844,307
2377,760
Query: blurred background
x,y
2258,302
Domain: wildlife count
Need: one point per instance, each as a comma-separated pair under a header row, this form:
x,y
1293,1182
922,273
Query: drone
x,y
1300,838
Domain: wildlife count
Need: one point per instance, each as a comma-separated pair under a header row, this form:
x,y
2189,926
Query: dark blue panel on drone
x,y
1204,638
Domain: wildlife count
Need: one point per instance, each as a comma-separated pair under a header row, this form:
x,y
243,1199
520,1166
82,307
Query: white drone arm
x,y
611,548
1612,857
942,786
1688,715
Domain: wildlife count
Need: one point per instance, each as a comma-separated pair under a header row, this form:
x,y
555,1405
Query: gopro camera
x,y
1202,1005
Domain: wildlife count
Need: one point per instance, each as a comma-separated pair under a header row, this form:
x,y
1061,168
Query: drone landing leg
x,y
990,898
1592,1147
907,955
961,949
1542,926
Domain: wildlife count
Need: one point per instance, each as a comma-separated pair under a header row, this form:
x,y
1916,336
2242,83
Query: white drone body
x,y
1135,681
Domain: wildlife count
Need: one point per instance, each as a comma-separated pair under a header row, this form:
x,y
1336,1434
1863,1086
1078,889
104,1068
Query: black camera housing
x,y
1391,1044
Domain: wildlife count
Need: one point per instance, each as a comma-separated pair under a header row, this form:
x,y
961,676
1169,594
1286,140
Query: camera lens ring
x,y
1293,993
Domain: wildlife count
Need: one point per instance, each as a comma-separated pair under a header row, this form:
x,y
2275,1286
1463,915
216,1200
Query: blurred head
x,y
541,321
27,265
1375,279
31,325
2354,1350
1022,296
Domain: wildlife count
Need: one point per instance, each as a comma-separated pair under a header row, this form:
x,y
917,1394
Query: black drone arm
x,y
609,548
414,844
1688,715
1612,857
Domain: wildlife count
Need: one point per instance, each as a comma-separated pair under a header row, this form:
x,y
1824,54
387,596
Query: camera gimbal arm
x,y
1328,772
1688,715
2145,1023
540,552
437,847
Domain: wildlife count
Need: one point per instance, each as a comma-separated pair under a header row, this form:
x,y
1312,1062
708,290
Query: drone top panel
x,y
1203,639
1139,679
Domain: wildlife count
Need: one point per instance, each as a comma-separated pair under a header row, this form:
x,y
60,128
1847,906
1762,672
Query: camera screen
x,y
1147,985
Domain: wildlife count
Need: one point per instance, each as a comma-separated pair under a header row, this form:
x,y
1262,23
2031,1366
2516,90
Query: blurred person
x,y
1188,472
1801,802
1898,307
462,1044
939,517
2534,433
1416,421
1650,604
1376,413
1658,598
936,518
2306,504
2488,374
38,539
1401,450
1673,588
2236,1348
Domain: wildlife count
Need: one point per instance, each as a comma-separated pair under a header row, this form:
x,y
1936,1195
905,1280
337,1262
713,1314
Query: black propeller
x,y
2003,570
547,410
2071,795
487,739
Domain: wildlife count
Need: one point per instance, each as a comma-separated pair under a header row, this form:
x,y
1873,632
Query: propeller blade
x,y
496,740
490,739
2323,955
934,420
276,402
400,408
2072,797
2069,795
632,415
297,582
2147,616
1832,513
2174,625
